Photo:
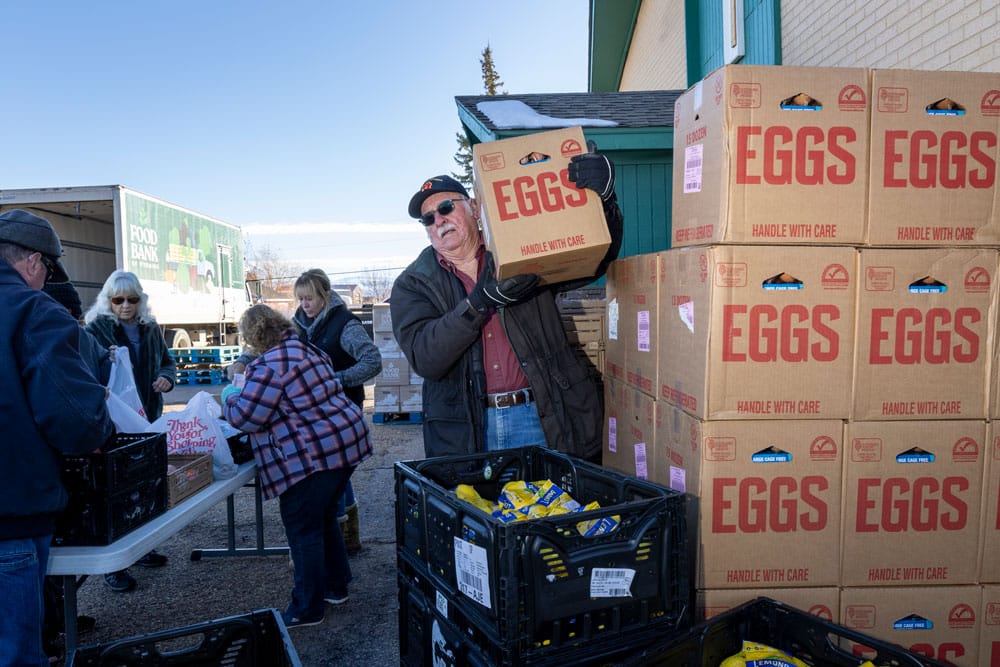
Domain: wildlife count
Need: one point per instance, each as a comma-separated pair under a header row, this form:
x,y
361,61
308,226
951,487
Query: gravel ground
x,y
362,631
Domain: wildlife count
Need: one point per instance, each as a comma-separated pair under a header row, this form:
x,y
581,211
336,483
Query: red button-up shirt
x,y
503,369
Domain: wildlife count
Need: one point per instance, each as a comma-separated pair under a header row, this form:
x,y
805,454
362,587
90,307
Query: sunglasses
x,y
119,300
444,207
50,267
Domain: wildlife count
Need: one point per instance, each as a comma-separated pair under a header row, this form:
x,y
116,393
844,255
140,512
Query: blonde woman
x,y
329,325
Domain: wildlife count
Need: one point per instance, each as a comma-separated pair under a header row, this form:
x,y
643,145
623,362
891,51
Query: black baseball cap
x,y
432,185
27,230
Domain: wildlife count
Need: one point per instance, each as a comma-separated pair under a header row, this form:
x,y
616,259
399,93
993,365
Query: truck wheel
x,y
177,338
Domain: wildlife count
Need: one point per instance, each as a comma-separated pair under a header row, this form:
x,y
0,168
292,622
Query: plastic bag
x,y
195,430
122,382
126,419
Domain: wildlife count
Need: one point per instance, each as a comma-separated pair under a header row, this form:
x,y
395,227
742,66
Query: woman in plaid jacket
x,y
307,438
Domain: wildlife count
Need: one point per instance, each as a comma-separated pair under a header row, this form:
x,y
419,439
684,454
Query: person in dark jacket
x,y
307,439
51,405
498,370
120,317
98,362
95,356
328,324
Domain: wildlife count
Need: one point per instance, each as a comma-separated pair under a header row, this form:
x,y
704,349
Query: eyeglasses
x,y
50,267
119,300
444,207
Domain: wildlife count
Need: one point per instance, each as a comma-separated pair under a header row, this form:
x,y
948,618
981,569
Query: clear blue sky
x,y
316,117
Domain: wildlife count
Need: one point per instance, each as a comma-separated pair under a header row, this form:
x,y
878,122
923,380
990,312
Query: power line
x,y
337,273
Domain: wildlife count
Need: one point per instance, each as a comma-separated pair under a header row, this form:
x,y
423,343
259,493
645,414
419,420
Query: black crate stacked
x,y
256,639
474,590
806,636
113,492
204,365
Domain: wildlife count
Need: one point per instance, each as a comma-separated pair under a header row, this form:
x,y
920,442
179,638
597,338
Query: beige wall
x,y
961,35
656,58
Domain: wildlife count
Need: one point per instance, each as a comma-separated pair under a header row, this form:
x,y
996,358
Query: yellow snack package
x,y
470,495
585,526
533,511
517,494
761,655
550,494
508,516
605,524
548,499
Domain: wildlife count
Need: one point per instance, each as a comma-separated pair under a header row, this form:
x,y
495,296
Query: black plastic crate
x,y
808,637
431,634
126,459
256,639
97,518
527,585
240,448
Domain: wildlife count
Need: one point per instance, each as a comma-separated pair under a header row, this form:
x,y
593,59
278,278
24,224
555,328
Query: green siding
x,y
710,35
762,32
643,184
611,25
762,28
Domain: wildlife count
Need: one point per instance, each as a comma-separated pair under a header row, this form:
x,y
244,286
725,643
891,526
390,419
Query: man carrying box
x,y
498,371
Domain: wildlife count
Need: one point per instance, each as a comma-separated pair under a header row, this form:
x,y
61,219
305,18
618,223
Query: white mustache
x,y
443,229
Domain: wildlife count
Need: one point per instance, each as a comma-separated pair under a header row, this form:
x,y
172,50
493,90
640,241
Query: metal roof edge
x,y
611,25
475,131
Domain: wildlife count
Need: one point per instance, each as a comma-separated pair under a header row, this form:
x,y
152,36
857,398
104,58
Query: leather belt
x,y
510,398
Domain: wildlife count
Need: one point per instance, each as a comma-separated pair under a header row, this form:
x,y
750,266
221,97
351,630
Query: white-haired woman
x,y
120,316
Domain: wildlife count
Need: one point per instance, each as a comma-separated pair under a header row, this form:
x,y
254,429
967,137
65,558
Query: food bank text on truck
x,y
191,265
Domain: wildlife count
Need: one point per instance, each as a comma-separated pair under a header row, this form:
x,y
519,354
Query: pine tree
x,y
491,85
491,78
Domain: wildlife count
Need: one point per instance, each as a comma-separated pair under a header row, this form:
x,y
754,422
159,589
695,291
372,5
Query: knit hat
x,y
432,185
66,294
29,231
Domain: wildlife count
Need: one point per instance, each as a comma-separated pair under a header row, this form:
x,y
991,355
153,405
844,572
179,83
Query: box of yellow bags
x,y
527,555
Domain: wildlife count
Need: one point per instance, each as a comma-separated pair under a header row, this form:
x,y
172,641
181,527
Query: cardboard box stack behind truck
x,y
397,390
754,361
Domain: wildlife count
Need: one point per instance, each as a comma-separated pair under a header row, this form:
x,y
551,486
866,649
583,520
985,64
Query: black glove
x,y
593,171
491,293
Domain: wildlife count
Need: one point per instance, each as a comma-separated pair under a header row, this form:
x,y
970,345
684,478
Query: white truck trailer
x,y
191,265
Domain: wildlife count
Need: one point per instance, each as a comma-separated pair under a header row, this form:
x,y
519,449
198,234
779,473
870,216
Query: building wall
x,y
656,58
960,35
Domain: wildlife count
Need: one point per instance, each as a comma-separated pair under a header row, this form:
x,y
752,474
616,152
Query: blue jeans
x,y
516,426
346,500
309,512
22,574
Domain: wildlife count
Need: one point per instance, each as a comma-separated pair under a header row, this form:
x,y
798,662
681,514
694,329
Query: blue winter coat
x,y
50,404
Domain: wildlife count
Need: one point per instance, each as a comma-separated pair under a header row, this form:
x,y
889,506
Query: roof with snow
x,y
491,117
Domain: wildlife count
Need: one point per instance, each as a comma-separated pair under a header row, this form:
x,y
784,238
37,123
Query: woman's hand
x,y
162,384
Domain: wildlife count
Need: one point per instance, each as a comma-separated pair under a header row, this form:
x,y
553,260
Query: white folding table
x,y
70,562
